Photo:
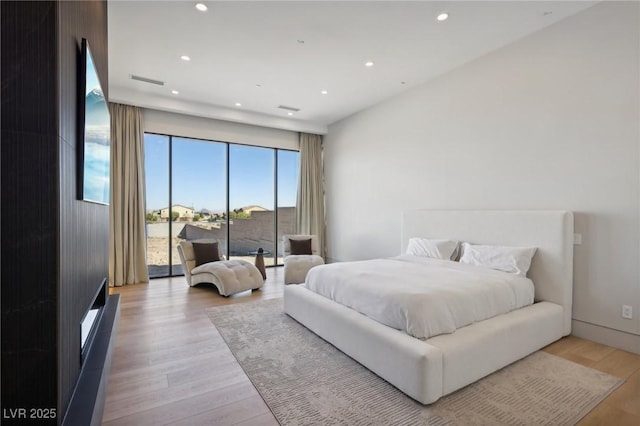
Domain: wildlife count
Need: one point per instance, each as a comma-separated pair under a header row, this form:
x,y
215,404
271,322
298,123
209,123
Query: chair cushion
x,y
205,253
300,247
189,256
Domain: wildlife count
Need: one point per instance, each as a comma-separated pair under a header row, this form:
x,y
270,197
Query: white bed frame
x,y
429,369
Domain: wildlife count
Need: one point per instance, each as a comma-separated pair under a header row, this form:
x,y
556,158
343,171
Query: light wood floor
x,y
171,366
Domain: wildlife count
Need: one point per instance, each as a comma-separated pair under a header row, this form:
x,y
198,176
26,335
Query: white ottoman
x,y
297,266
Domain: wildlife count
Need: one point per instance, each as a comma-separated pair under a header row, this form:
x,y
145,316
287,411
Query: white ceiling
x,y
296,49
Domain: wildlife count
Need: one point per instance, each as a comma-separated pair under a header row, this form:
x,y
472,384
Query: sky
x,y
199,174
91,75
96,142
95,185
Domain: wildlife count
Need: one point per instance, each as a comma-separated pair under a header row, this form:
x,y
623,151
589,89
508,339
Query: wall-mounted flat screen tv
x,y
94,133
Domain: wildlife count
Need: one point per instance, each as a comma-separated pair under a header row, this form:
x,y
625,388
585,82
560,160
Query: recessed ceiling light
x,y
175,92
368,64
201,7
238,104
443,16
324,92
289,113
185,58
258,85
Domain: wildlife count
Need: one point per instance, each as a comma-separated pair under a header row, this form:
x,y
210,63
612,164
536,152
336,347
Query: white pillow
x,y
515,260
436,249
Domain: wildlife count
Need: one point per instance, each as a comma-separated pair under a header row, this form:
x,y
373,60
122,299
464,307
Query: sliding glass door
x,y
198,192
251,202
243,196
156,160
287,162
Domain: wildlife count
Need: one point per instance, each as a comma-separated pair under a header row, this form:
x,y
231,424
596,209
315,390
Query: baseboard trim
x,y
607,336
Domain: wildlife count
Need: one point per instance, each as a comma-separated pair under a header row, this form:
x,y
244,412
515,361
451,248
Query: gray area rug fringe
x,y
306,381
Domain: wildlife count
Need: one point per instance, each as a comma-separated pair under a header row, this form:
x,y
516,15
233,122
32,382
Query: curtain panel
x,y
127,239
310,197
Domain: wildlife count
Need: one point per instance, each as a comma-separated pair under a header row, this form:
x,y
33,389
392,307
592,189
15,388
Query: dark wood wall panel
x,y
29,205
29,67
54,247
84,226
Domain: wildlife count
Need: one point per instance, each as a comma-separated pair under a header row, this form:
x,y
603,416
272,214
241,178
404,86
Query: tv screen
x,y
94,133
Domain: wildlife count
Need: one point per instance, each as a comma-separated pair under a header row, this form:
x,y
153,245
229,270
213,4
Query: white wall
x,y
549,122
169,123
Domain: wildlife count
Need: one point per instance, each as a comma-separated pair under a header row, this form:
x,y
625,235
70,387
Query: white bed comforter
x,y
421,296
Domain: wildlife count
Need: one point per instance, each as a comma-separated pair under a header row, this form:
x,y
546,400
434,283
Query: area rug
x,y
306,381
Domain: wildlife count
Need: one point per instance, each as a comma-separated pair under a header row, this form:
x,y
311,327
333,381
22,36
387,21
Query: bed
x,y
427,369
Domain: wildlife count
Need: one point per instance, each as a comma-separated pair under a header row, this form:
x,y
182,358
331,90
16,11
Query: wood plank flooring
x,y
171,366
622,407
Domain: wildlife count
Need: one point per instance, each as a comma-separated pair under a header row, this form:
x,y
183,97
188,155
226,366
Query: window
x,y
156,159
287,180
243,196
251,202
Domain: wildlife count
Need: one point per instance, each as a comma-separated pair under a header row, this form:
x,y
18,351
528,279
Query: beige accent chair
x,y
296,266
229,276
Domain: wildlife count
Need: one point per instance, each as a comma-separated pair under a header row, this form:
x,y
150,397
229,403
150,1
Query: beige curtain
x,y
127,241
310,197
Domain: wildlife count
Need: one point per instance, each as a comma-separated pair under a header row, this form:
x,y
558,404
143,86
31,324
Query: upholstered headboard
x,y
550,231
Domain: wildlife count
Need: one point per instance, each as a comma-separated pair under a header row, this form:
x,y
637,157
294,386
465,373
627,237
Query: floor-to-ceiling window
x,y
243,196
156,159
287,162
198,192
251,201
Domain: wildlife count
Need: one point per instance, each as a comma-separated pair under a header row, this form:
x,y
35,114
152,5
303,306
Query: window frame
x,y
227,183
